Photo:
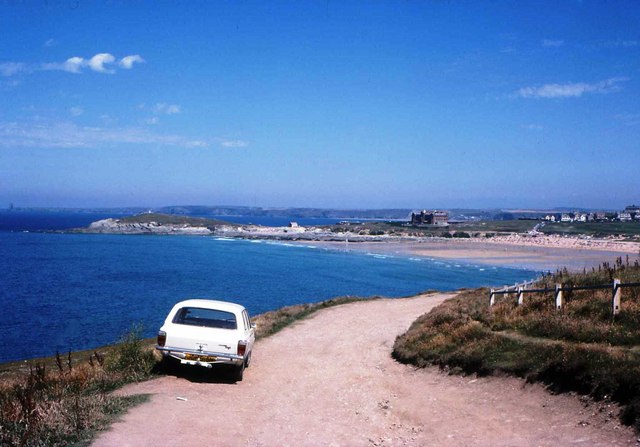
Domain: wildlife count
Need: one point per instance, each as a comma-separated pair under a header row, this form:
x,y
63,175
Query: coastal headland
x,y
521,249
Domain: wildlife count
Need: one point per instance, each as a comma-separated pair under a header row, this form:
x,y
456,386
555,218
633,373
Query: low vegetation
x,y
596,229
66,403
172,219
581,347
64,400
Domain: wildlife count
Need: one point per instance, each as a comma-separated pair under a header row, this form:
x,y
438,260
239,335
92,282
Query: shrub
x,y
130,357
63,407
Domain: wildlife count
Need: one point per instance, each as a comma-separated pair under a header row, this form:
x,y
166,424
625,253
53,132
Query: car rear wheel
x,y
247,361
238,372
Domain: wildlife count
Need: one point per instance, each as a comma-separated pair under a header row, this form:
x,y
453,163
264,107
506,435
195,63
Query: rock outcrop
x,y
118,227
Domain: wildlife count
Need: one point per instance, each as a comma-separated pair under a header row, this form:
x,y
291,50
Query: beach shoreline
x,y
501,252
533,250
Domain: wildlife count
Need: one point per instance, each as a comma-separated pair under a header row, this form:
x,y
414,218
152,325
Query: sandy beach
x,y
541,254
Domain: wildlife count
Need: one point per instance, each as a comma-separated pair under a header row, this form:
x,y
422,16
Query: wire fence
x,y
525,288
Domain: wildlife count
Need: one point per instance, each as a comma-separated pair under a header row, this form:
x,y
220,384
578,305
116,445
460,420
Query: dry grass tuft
x,y
67,403
580,348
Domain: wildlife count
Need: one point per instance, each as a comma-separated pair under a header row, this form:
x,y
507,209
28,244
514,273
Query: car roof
x,y
210,304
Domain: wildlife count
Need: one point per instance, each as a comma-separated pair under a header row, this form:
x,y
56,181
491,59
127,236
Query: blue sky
x,y
406,104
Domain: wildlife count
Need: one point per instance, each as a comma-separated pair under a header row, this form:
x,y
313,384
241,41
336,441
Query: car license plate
x,y
200,358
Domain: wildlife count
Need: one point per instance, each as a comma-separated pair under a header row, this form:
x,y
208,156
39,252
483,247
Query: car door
x,y
250,332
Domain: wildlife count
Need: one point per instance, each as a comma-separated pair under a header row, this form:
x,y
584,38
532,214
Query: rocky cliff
x,y
122,227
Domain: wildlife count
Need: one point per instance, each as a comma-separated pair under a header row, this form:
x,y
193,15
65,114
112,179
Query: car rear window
x,y
198,316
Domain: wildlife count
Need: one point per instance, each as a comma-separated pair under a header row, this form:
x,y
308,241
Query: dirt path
x,y
330,381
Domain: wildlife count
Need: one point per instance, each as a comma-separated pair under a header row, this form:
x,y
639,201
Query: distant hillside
x,y
399,213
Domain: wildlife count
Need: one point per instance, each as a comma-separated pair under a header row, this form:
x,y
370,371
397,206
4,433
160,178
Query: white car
x,y
207,332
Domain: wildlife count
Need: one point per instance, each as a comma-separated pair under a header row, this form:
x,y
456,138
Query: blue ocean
x,y
65,292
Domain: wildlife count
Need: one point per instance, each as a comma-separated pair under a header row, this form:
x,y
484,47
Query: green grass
x,y
494,226
68,403
579,348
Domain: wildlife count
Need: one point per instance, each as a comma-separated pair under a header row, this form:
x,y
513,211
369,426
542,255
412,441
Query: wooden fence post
x,y
558,296
520,296
617,292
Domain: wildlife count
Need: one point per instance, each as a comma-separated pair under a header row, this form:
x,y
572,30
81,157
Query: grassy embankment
x,y
580,348
64,400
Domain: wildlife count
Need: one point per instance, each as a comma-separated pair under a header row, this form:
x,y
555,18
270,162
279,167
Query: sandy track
x,y
330,381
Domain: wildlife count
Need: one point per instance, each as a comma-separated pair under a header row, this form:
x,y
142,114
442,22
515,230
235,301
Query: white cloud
x,y
76,111
532,126
167,109
98,62
552,43
66,134
12,68
73,64
101,62
153,120
570,90
128,61
50,42
233,143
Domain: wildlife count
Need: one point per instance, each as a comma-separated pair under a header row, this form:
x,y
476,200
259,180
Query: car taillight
x,y
162,338
242,347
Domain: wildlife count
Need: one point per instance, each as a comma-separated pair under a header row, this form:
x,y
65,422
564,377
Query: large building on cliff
x,y
435,217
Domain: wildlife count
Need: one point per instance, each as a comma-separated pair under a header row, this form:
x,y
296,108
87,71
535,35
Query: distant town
x,y
629,214
440,218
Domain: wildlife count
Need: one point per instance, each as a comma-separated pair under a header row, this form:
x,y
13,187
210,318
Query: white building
x,y
624,216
